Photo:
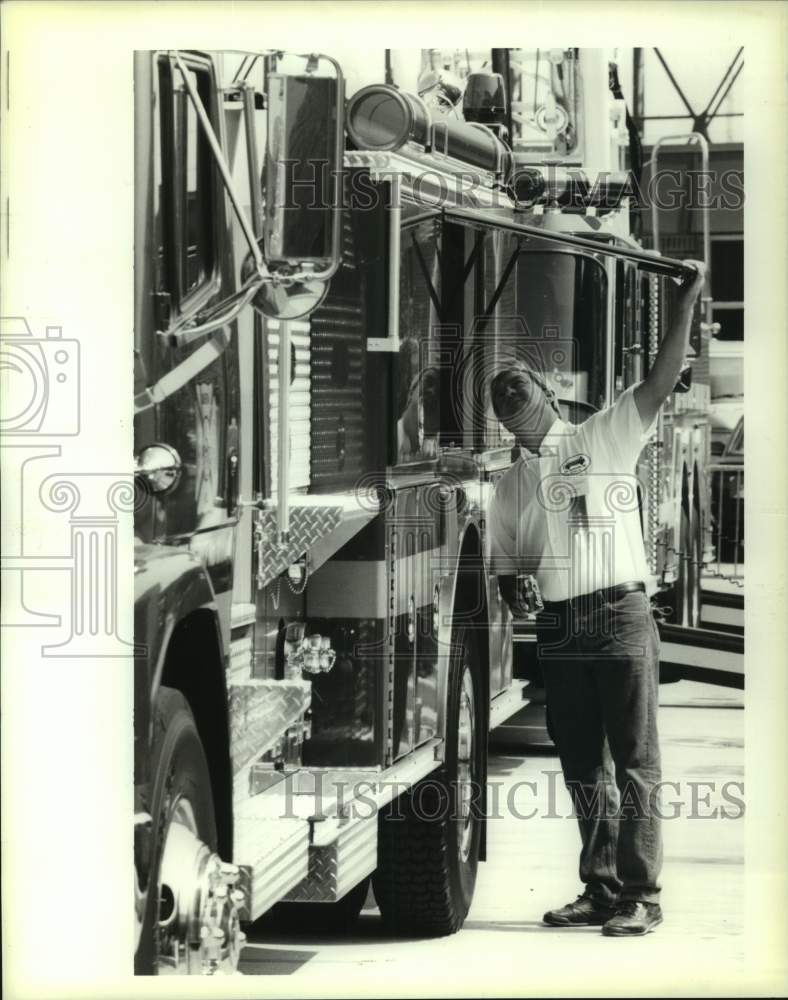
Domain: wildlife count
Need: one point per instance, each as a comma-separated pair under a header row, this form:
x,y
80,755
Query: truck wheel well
x,y
194,667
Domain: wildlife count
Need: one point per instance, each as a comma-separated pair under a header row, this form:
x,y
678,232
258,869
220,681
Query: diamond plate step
x,y
276,850
313,836
336,868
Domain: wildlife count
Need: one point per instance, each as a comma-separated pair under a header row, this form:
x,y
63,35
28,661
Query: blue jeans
x,y
600,661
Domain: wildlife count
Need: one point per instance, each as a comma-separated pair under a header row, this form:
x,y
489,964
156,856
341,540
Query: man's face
x,y
535,416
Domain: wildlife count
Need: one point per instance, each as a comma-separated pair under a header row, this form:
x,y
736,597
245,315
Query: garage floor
x,y
504,948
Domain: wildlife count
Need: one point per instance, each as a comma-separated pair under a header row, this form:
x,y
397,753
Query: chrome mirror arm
x,y
223,313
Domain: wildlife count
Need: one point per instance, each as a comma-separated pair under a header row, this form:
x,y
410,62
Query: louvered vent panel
x,y
338,376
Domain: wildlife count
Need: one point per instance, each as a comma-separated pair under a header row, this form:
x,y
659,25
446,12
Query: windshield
x,y
471,302
552,316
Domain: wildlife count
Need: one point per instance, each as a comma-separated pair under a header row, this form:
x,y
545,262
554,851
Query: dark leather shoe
x,y
633,918
584,912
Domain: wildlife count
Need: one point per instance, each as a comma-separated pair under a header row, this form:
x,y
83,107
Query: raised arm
x,y
659,383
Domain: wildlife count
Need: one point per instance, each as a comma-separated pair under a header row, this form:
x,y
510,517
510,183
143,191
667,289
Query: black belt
x,y
608,594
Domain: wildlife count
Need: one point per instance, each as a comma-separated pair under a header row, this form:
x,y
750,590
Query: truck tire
x,y
429,838
317,918
180,793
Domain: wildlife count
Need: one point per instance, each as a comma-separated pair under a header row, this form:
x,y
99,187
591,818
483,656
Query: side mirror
x,y
684,383
302,184
286,272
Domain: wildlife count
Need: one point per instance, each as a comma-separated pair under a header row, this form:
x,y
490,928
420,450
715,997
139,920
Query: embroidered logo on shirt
x,y
575,464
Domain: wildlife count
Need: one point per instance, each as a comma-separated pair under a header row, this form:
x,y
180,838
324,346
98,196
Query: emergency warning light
x,y
484,100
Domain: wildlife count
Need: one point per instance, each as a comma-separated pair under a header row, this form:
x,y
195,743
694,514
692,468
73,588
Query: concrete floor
x,y
504,949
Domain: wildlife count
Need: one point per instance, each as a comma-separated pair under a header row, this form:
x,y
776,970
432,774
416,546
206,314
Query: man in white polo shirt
x,y
569,515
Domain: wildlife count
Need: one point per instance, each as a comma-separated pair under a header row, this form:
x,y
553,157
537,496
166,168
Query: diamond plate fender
x,y
260,711
307,526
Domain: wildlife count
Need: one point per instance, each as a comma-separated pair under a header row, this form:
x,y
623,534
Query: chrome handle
x,y
233,462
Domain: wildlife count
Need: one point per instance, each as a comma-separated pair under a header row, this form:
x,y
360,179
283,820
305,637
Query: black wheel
x,y
184,824
428,841
317,918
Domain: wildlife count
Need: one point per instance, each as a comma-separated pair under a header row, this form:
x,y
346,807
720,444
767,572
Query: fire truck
x,y
323,288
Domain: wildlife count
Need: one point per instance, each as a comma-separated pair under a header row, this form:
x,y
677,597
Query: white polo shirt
x,y
570,515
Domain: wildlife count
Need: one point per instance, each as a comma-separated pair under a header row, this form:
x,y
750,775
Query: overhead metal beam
x,y
721,84
702,120
715,112
675,83
675,118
